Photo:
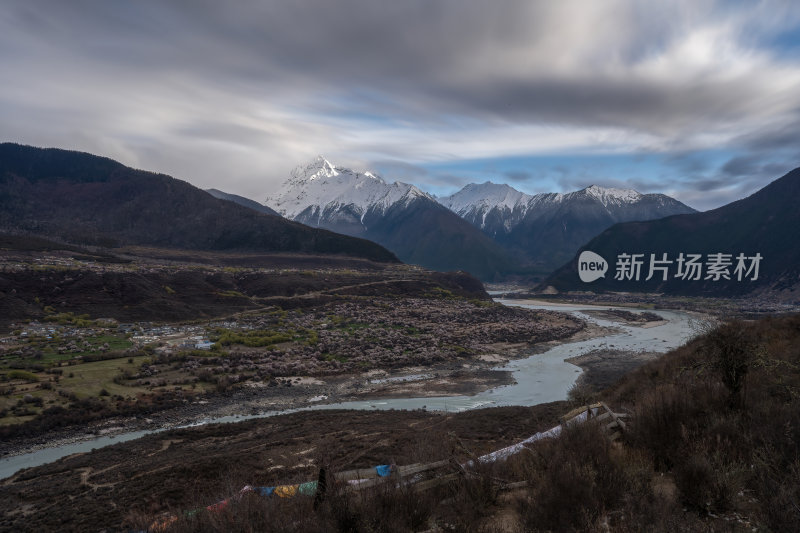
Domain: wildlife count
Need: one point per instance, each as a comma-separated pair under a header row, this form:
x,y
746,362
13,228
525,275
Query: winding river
x,y
539,378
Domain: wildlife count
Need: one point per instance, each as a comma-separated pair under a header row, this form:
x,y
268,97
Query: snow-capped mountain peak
x,y
498,208
548,228
327,189
485,196
319,167
610,195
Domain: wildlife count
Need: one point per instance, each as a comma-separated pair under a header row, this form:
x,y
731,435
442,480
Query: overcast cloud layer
x,y
698,99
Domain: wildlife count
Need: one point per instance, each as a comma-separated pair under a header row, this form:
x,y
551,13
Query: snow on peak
x,y
476,201
485,196
609,195
323,186
317,168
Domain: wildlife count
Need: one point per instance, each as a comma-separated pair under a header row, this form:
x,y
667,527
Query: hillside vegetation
x,y
713,443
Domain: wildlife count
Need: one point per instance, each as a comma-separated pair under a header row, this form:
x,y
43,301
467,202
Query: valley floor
x,y
696,455
282,338
360,334
465,376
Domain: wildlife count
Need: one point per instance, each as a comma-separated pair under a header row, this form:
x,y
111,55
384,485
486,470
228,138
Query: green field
x,y
48,348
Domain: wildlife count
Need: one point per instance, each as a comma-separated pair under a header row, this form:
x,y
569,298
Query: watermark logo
x,y
591,266
692,267
663,267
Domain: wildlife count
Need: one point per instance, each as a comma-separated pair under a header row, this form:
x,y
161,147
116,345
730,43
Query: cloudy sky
x,y
698,99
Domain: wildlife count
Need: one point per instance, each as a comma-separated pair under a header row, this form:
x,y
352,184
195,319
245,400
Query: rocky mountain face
x,y
748,246
86,199
399,216
546,229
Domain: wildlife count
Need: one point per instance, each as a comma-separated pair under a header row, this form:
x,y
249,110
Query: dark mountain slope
x,y
241,200
766,223
550,235
88,199
428,234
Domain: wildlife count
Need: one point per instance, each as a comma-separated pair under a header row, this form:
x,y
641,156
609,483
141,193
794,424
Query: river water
x,y
540,378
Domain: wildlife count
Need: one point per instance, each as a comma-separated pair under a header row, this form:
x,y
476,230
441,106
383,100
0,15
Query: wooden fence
x,y
411,475
600,412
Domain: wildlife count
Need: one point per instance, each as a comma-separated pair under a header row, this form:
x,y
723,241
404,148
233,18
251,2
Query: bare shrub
x,y
731,349
581,393
471,497
659,424
709,483
574,480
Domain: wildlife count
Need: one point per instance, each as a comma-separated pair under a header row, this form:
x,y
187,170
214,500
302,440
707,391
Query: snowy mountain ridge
x,y
546,229
476,201
321,187
486,195
488,229
610,195
500,195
